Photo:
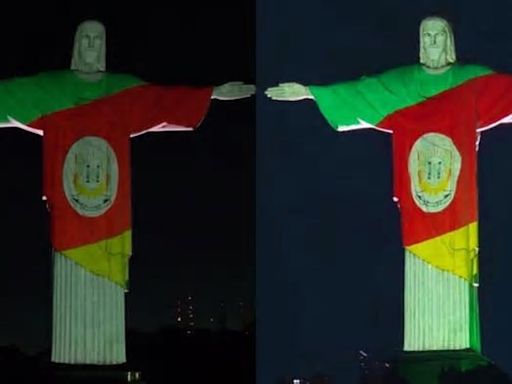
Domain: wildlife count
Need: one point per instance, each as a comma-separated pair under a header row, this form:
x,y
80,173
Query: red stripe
x,y
112,118
456,113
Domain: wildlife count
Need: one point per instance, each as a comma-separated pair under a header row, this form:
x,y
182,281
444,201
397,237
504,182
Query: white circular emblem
x,y
434,167
90,176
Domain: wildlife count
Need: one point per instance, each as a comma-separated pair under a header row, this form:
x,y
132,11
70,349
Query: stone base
x,y
96,375
443,367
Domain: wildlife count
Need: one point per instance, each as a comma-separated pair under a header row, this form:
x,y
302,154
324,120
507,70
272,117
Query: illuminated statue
x,y
435,112
86,117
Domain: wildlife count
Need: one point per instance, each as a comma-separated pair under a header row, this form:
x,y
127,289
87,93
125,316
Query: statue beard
x,y
89,61
440,61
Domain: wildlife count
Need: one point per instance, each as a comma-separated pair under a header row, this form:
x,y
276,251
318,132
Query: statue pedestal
x,y
437,367
96,374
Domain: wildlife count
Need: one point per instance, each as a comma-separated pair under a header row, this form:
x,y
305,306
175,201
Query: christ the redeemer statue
x,y
86,117
435,111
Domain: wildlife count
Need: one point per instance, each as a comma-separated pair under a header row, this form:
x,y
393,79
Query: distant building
x,y
235,315
186,316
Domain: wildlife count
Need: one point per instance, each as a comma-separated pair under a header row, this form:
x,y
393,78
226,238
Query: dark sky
x,y
329,256
193,192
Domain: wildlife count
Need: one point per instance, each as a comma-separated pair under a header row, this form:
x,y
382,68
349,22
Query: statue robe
x,y
435,121
86,127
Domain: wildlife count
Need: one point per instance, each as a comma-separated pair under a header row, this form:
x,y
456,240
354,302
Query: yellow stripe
x,y
107,258
454,252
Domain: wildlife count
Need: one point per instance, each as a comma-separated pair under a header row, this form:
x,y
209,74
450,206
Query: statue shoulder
x,y
398,77
403,72
118,81
122,77
472,69
42,81
54,75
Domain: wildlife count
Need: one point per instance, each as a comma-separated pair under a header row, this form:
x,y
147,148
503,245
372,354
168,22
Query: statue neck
x,y
436,71
89,76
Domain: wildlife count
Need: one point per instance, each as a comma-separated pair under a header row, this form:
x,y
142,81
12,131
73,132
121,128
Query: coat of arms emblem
x,y
90,176
434,167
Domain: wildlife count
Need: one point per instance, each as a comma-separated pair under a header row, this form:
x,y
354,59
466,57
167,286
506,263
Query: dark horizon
x,y
222,355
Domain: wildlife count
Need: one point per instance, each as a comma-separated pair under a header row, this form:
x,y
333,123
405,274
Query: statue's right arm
x,y
348,105
22,100
13,123
289,92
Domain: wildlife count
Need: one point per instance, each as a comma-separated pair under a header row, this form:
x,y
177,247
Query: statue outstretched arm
x,y
338,111
353,104
493,101
289,92
233,90
346,106
23,100
16,124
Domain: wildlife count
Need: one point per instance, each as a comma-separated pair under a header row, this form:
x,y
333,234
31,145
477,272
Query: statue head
x,y
437,45
89,49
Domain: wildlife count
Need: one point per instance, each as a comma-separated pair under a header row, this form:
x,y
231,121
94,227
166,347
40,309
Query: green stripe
x,y
373,98
474,320
29,98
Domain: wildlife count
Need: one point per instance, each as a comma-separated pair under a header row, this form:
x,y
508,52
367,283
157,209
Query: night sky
x,y
329,256
193,192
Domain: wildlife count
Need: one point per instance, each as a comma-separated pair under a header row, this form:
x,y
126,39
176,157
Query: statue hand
x,y
289,92
233,90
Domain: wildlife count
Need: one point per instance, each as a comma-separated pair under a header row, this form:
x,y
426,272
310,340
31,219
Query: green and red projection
x,y
435,121
86,128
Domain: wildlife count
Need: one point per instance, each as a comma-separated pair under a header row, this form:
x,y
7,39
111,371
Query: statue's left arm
x,y
155,108
493,100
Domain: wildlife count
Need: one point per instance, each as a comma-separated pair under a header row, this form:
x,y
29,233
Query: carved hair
x,y
451,57
76,62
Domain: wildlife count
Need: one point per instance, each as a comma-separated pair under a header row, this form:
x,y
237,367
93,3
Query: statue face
x,y
90,43
434,43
